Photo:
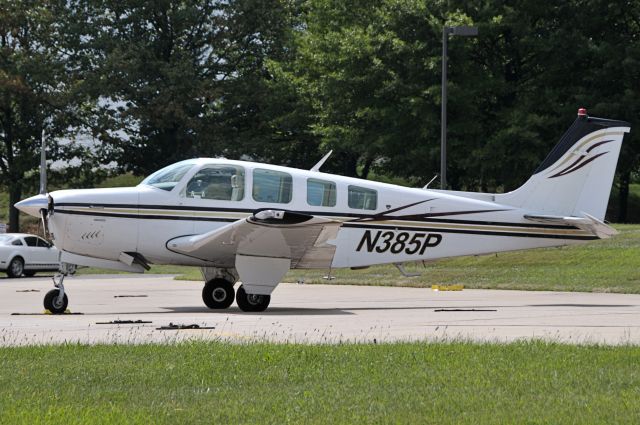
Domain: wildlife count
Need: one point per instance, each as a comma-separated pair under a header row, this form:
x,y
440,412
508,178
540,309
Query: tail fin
x,y
576,177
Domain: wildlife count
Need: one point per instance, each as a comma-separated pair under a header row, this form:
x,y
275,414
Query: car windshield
x,y
5,239
168,177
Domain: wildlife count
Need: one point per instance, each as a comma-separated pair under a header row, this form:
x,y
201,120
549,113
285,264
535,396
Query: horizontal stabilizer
x,y
587,223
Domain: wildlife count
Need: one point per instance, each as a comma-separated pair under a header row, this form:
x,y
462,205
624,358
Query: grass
x,y
611,265
439,383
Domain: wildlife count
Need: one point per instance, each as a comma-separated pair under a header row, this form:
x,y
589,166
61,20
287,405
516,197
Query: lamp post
x,y
464,31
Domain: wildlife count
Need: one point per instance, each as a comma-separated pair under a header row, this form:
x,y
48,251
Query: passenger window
x,y
219,182
31,240
271,186
43,243
321,193
17,242
362,199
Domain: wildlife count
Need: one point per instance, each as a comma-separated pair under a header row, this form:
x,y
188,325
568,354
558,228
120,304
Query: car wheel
x,y
29,274
16,267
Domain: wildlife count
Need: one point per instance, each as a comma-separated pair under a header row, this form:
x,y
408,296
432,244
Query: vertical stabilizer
x,y
576,177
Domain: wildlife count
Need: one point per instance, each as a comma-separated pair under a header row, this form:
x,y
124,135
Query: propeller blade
x,y
43,166
45,224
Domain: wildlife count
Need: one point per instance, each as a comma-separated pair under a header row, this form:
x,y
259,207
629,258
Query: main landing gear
x,y
218,294
56,300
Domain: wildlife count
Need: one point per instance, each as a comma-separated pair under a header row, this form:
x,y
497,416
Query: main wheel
x,y
52,304
16,267
218,294
252,302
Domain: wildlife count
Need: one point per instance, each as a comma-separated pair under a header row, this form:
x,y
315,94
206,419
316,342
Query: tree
x,y
183,79
611,77
538,64
372,74
364,76
37,86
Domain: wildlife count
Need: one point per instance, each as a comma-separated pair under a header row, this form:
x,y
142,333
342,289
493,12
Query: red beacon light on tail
x,y
582,112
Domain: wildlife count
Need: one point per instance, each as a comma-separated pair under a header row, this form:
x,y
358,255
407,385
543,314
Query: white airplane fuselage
x,y
406,224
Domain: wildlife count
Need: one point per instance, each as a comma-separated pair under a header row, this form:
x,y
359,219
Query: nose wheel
x,y
56,301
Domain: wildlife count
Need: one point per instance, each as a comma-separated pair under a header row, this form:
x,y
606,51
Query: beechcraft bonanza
x,y
251,222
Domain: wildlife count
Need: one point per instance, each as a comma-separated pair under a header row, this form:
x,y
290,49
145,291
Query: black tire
x,y
218,294
252,302
51,302
30,274
16,267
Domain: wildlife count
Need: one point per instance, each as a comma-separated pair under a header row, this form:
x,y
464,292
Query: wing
x,y
587,223
263,247
301,238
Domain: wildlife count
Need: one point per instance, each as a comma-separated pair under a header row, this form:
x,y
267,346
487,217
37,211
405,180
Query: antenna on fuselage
x,y
322,161
426,186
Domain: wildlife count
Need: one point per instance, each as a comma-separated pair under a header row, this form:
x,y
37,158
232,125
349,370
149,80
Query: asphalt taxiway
x,y
308,314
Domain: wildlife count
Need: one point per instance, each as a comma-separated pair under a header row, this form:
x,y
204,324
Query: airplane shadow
x,y
272,311
583,305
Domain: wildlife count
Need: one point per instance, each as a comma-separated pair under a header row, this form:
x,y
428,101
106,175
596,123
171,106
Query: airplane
x,y
252,222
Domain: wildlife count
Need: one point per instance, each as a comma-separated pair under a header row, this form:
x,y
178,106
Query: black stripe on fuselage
x,y
251,211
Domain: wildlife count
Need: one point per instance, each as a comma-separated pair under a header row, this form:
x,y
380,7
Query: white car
x,y
24,254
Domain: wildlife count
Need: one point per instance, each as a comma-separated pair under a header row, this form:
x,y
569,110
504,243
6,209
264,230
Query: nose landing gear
x,y
56,300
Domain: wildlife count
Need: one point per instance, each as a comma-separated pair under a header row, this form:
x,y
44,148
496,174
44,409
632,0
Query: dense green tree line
x,y
284,81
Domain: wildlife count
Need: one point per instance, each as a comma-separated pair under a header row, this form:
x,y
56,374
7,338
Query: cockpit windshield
x,y
168,177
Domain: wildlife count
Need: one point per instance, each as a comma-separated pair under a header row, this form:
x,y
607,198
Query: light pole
x,y
464,31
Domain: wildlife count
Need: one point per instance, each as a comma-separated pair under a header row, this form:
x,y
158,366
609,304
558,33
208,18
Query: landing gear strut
x,y
218,293
56,300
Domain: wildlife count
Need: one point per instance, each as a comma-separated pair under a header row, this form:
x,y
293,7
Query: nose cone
x,y
33,205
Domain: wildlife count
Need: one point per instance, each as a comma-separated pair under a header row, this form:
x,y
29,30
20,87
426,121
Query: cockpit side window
x,y
168,177
218,182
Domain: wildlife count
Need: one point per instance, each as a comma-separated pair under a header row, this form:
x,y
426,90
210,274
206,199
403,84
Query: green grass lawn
x,y
434,383
611,265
